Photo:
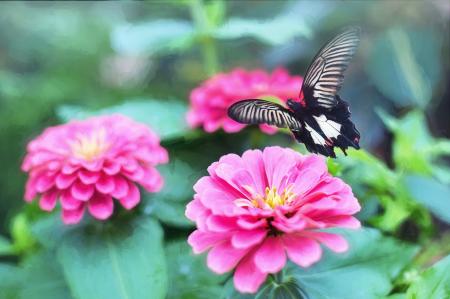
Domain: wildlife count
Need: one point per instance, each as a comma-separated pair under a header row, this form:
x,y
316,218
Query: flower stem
x,y
199,15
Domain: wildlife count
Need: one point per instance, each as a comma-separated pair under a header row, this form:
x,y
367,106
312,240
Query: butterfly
x,y
319,118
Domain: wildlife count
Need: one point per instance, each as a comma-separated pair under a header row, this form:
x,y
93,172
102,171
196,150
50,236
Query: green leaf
x,y
434,283
365,271
188,163
169,204
276,31
6,248
430,193
152,37
165,117
10,281
43,278
188,276
23,240
413,145
50,230
128,263
169,212
405,65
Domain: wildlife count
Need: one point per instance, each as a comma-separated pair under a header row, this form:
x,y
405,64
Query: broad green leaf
x,y
189,278
152,37
43,278
126,263
50,230
434,283
169,204
276,31
365,271
430,193
405,65
413,143
10,281
6,247
396,296
168,211
188,163
165,117
360,167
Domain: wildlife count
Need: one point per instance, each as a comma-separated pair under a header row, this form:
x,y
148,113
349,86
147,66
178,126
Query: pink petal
x,y
48,200
220,223
82,191
30,189
248,238
121,187
88,177
135,175
152,181
302,251
200,241
306,181
343,221
101,206
68,202
224,257
255,165
105,184
278,162
69,168
111,167
270,257
132,198
72,216
193,209
335,242
247,277
63,181
44,182
251,224
94,165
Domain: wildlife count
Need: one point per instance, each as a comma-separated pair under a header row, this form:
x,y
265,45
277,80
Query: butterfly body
x,y
319,118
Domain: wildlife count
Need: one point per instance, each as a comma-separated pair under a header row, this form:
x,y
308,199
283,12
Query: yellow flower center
x,y
88,147
270,200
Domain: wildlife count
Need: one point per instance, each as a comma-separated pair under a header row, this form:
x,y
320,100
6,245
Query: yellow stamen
x,y
88,147
271,198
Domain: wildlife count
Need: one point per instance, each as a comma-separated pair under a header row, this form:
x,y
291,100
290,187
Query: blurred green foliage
x,y
66,60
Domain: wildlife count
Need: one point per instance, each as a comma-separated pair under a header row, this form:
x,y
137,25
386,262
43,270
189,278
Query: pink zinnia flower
x,y
254,211
210,101
85,164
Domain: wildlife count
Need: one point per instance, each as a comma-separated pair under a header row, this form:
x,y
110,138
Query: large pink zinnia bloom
x,y
210,101
254,211
87,164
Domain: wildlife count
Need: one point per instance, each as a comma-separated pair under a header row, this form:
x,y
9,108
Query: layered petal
x,y
91,161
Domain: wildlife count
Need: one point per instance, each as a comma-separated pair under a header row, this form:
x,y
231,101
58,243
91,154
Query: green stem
x,y
210,59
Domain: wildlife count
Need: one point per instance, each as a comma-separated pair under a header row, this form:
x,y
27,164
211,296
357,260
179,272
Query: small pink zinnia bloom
x,y
210,101
254,211
87,164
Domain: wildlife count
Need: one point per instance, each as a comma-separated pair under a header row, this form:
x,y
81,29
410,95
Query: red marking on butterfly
x,y
301,99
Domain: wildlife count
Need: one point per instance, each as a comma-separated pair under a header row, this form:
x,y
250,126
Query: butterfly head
x,y
293,105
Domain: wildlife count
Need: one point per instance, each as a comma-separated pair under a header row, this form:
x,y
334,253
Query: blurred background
x,y
61,59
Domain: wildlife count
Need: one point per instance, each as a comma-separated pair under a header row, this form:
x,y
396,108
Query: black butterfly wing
x,y
325,75
329,129
254,111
